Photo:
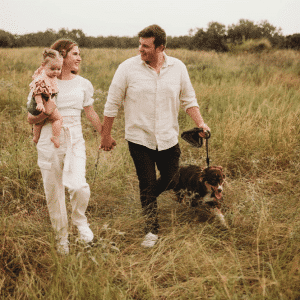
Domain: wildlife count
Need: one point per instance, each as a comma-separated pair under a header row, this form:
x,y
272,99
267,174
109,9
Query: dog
x,y
198,186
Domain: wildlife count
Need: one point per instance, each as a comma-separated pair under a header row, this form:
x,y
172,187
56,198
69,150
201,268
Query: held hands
x,y
107,143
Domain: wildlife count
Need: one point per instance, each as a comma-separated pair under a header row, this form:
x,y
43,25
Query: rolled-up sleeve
x,y
187,94
116,92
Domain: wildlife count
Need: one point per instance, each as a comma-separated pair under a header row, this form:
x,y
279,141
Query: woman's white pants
x,y
64,167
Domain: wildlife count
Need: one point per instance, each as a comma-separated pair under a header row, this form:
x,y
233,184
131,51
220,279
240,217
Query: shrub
x,y
252,46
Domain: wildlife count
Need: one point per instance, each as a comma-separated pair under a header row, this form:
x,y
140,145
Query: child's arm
x,y
39,103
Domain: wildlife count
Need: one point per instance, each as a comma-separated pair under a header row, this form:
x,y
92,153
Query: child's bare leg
x,y
56,120
37,132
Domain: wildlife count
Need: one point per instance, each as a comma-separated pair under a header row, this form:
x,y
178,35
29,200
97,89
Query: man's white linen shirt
x,y
151,100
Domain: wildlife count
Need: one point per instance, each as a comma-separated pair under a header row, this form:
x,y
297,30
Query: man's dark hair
x,y
160,37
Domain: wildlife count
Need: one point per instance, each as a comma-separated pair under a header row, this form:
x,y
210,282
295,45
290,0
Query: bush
x,y
252,46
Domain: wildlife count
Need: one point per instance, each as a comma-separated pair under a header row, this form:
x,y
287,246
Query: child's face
x,y
53,67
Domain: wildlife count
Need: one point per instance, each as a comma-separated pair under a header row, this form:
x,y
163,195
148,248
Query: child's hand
x,y
40,107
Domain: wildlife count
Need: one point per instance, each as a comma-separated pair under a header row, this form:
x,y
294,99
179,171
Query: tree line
x,y
216,37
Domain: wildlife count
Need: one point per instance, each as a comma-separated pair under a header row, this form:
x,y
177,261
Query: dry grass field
x,y
251,103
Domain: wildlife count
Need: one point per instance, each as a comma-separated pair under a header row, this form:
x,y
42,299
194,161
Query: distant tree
x,y
78,36
293,41
199,40
216,29
244,30
6,39
49,37
212,39
247,30
216,35
183,42
267,30
63,33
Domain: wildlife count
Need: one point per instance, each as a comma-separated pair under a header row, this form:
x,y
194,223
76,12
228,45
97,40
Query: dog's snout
x,y
220,189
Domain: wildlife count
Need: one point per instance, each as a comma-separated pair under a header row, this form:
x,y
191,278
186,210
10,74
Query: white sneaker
x,y
85,233
149,240
63,247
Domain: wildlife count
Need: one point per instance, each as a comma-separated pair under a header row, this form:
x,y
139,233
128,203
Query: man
x,y
152,86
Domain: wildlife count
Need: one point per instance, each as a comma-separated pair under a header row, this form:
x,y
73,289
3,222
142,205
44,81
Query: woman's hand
x,y
50,106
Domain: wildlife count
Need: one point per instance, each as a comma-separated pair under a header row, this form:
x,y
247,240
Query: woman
x,y
65,166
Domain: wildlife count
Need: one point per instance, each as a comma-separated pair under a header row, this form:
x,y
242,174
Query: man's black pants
x,y
145,161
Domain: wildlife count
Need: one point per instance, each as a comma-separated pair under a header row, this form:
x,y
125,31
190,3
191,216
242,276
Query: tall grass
x,y
251,103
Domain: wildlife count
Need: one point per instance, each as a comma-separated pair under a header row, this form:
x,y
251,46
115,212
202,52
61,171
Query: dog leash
x,y
97,160
192,137
206,142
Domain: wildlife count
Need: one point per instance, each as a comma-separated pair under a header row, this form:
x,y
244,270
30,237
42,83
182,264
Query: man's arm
x,y
195,114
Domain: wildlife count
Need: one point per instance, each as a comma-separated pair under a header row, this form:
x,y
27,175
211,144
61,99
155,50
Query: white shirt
x,y
151,101
74,95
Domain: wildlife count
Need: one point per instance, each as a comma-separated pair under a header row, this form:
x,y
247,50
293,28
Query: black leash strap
x,y
207,157
192,137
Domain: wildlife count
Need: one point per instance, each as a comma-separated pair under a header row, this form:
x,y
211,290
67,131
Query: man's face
x,y
147,50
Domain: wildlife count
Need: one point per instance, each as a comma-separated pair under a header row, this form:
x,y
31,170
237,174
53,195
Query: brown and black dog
x,y
198,186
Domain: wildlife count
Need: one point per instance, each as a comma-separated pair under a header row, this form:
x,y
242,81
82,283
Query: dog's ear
x,y
223,174
221,169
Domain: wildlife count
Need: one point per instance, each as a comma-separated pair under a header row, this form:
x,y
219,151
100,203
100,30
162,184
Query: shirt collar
x,y
169,61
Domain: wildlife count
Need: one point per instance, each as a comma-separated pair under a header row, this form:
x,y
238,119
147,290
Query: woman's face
x,y
72,60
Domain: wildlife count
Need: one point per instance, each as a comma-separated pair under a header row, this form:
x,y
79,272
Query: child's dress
x,y
47,87
41,84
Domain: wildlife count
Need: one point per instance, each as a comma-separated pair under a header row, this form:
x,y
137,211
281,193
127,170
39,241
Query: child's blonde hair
x,y
50,54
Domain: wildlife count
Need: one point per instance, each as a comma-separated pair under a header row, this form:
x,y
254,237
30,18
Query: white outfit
x,y
151,100
65,166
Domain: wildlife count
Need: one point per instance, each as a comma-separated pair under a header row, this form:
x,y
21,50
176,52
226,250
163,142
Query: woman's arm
x,y
93,117
49,108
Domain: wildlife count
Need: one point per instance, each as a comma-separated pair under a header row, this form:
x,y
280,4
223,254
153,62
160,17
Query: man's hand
x,y
107,143
205,128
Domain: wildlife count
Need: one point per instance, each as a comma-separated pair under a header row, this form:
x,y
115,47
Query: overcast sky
x,y
128,17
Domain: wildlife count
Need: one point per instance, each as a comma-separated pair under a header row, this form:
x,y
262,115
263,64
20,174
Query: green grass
x,y
251,103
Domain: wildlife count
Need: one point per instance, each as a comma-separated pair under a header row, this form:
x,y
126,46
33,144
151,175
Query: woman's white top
x,y
74,95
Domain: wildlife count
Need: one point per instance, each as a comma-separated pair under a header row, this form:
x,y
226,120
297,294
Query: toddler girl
x,y
44,88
